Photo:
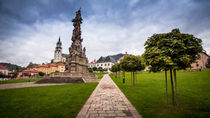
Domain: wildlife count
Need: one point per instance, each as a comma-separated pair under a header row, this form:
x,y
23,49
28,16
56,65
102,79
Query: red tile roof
x,y
30,71
93,62
3,67
53,65
44,65
61,64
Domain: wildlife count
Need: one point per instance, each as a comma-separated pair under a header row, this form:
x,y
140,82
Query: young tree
x,y
90,70
100,69
114,69
132,64
172,51
94,68
41,74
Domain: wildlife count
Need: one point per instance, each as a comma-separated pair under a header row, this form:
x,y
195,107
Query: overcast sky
x,y
29,29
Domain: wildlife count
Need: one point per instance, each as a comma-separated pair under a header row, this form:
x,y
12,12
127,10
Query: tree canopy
x,y
132,63
172,50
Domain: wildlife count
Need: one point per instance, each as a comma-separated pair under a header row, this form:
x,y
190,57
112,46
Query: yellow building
x,y
50,68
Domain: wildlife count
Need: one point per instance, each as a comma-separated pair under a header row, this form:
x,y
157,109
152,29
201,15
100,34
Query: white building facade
x,y
107,62
3,70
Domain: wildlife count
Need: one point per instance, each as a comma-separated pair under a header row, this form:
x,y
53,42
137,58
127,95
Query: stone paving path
x,y
107,101
25,84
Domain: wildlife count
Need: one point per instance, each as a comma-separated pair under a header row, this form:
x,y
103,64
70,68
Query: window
x,y
108,64
101,64
104,64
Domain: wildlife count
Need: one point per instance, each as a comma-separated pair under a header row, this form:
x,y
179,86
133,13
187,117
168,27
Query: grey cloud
x,y
25,23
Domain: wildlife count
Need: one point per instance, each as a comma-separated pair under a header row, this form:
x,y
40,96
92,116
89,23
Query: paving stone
x,y
107,101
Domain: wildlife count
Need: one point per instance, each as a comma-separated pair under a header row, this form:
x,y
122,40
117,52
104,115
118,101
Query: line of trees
x,y
164,52
128,64
95,69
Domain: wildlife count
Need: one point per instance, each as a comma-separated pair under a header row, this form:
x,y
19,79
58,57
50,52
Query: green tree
x,y
172,51
30,65
90,70
114,69
2,75
132,64
100,69
105,70
94,68
41,74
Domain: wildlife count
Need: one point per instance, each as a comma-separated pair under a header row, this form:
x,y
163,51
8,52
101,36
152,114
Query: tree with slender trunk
x,y
172,87
177,102
166,87
132,64
172,51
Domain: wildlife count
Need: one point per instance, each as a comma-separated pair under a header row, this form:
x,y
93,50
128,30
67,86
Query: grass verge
x,y
60,101
148,96
19,81
99,75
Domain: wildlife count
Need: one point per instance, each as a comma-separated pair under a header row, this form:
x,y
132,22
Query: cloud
x,y
29,31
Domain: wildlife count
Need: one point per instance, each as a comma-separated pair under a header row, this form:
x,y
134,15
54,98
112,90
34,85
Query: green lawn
x,y
149,95
99,75
19,81
60,101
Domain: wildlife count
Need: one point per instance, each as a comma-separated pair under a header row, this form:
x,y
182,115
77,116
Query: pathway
x,y
25,84
107,101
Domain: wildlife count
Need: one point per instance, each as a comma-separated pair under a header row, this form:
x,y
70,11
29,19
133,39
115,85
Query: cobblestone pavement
x,y
107,101
25,84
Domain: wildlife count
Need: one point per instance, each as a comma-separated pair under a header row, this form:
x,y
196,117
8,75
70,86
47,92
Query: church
x,y
58,55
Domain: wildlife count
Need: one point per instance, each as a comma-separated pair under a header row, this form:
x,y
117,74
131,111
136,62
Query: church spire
x,y
59,41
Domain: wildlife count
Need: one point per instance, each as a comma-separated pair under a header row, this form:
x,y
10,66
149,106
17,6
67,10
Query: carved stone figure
x,y
77,60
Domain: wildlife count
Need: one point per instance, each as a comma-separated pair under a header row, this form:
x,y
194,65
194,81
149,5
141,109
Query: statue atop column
x,y
77,60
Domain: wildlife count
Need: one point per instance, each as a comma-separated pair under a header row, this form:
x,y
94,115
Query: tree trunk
x,y
177,103
166,87
123,76
172,87
115,75
133,79
136,77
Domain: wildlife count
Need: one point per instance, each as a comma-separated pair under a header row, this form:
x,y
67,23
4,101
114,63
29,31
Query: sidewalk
x,y
25,84
107,101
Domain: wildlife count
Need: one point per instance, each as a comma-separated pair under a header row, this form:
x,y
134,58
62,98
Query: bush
x,y
41,74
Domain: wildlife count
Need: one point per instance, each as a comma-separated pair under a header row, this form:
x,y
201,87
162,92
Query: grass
x,y
99,75
19,81
148,96
60,101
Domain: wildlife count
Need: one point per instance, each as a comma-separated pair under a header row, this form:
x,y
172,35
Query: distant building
x,y
200,63
3,70
108,61
28,74
58,55
50,68
126,54
64,57
92,64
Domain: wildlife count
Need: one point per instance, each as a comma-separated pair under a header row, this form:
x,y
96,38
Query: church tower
x,y
58,52
77,60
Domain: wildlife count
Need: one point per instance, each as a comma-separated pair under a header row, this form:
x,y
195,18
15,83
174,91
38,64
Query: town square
x,y
104,59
